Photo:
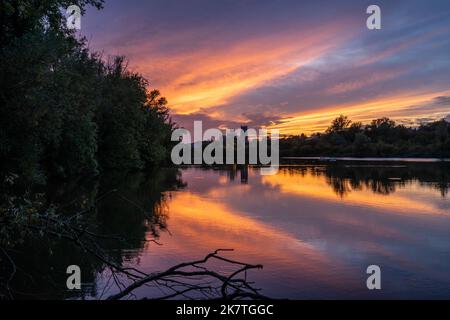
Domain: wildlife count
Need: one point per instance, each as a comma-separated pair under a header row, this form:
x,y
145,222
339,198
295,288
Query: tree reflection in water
x,y
129,207
133,208
380,178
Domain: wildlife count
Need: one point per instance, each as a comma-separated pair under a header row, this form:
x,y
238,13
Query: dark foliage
x,y
64,110
381,138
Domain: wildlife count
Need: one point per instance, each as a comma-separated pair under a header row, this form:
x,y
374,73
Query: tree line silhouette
x,y
381,138
66,111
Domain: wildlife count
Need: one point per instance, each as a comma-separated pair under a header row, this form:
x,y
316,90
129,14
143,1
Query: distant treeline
x,y
65,110
381,138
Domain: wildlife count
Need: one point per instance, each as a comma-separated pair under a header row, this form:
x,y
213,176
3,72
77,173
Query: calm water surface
x,y
315,228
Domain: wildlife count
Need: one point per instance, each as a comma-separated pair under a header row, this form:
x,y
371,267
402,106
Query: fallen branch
x,y
182,280
240,287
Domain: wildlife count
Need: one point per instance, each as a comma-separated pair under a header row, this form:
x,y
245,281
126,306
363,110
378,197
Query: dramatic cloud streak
x,y
285,64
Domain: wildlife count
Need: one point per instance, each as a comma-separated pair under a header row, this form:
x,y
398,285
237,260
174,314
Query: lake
x,y
315,227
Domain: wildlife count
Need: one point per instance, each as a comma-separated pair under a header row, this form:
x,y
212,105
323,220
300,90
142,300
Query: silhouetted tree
x,y
63,109
381,138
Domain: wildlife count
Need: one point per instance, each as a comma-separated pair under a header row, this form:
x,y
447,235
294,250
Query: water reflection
x,y
132,206
315,228
380,179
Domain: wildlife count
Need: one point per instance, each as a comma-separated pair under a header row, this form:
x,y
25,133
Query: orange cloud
x,y
210,76
395,107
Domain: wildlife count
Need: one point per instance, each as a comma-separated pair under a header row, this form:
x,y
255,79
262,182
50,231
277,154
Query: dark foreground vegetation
x,y
381,138
67,111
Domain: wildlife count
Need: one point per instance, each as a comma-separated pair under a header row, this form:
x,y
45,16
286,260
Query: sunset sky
x,y
287,64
